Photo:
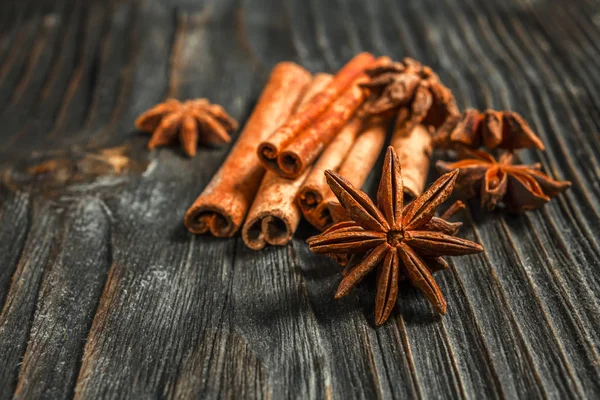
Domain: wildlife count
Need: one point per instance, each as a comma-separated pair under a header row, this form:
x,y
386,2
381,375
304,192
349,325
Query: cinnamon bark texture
x,y
296,144
315,188
354,164
413,145
274,214
223,204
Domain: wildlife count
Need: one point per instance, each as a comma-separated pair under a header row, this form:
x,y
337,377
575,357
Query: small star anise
x,y
491,128
409,84
519,187
190,122
401,242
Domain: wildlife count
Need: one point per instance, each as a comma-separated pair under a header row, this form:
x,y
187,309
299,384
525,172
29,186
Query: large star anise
x,y
519,187
491,128
439,224
409,84
401,242
191,122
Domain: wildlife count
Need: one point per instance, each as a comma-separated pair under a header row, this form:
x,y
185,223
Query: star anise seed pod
x,y
411,85
491,129
519,187
191,122
399,241
438,224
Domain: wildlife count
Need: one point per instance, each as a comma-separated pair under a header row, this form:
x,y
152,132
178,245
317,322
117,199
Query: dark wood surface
x,y
103,293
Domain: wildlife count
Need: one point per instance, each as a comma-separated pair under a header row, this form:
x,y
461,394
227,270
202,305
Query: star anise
x,y
491,128
401,242
190,122
438,224
519,187
409,84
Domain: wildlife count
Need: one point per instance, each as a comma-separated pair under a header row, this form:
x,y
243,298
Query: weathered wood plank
x,y
20,302
271,310
14,224
68,295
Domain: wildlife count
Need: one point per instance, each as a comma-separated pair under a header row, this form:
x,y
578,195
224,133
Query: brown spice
x,y
412,86
492,129
188,122
223,204
298,142
413,145
519,187
438,224
315,188
274,214
399,241
353,161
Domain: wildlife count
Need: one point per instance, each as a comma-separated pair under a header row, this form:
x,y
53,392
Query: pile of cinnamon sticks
x,y
301,126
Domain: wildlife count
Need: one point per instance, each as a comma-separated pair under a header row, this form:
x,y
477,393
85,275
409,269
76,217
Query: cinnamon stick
x,y
355,167
307,146
223,204
274,214
413,144
297,143
315,188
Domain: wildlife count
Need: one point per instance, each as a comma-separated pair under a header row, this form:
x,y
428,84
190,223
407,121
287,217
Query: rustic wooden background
x,y
103,293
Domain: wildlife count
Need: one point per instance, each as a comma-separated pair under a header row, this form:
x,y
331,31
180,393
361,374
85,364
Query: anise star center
x,y
395,237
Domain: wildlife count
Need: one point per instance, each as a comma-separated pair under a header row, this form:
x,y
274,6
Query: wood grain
x,y
103,293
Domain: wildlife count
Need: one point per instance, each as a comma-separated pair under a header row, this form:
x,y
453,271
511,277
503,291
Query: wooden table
x,y
103,293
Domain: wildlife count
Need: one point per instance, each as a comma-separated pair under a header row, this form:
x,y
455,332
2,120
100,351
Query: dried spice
x,y
519,187
189,122
401,242
352,154
492,129
315,190
414,147
410,85
223,204
296,144
274,214
438,224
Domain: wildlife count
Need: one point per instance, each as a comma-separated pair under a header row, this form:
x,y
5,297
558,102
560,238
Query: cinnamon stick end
x,y
267,228
202,219
291,166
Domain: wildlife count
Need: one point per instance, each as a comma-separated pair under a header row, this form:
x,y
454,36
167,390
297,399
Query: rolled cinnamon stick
x,y
356,167
274,214
296,144
413,144
223,204
306,147
315,188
